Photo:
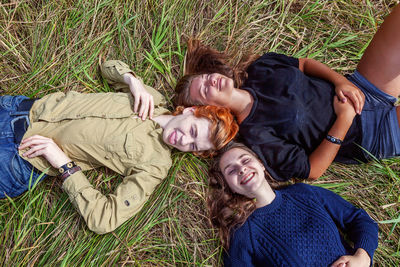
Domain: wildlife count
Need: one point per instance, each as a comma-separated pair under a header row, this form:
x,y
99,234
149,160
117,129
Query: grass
x,y
49,46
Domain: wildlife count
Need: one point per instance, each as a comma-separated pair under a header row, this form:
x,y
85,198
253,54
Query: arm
x,y
325,153
141,96
361,229
102,213
120,76
240,251
344,89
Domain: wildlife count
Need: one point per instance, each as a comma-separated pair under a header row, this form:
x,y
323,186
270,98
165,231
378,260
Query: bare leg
x,y
380,63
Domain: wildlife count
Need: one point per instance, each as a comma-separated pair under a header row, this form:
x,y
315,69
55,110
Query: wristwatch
x,y
334,140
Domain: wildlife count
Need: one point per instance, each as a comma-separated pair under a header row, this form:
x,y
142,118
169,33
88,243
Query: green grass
x,y
49,46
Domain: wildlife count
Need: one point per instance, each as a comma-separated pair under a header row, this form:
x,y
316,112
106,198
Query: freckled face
x,y
211,89
186,132
243,172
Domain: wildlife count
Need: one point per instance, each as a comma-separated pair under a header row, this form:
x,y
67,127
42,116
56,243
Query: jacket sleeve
x,y
113,71
361,229
104,213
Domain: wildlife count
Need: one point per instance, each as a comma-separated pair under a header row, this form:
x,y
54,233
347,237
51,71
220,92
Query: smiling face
x,y
187,132
242,171
211,89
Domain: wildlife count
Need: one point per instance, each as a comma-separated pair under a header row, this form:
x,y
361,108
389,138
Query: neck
x,y
242,102
265,196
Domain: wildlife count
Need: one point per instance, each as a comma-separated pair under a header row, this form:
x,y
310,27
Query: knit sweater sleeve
x,y
361,229
240,249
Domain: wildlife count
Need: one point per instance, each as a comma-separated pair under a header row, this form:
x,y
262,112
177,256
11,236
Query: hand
x,y
42,146
345,108
141,96
359,259
346,90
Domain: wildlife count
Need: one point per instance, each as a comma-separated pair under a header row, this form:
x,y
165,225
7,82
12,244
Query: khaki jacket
x,y
102,130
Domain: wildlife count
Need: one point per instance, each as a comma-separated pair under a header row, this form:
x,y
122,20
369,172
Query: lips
x,y
172,138
219,84
247,178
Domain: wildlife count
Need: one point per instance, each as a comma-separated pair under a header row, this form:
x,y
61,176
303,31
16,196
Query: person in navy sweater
x,y
293,226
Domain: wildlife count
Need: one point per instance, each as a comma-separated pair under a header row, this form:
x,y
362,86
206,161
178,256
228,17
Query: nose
x,y
242,170
186,139
213,80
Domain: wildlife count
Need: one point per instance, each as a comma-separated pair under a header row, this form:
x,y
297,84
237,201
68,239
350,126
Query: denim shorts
x,y
380,127
16,174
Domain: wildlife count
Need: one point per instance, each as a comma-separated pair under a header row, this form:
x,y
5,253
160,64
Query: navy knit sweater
x,y
300,228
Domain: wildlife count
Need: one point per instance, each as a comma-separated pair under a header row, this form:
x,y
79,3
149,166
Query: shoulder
x,y
275,59
242,232
241,245
313,194
300,191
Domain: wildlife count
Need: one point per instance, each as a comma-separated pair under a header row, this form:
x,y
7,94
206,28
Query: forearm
x,y
315,68
131,80
325,153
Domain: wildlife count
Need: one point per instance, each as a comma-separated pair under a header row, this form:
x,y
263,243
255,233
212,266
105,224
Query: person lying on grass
x,y
299,115
293,226
72,132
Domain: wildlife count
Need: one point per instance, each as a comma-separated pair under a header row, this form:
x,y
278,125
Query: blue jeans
x,y
380,127
16,174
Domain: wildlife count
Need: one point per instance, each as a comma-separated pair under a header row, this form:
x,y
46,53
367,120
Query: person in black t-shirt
x,y
299,115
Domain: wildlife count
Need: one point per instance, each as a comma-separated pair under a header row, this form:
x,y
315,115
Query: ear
x,y
189,109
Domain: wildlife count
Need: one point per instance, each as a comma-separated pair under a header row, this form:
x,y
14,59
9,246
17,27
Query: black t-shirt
x,y
291,115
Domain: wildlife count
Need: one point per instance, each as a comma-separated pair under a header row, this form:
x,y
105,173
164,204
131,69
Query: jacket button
x,y
126,202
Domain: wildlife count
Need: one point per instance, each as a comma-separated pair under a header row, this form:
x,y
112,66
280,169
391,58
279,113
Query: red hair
x,y
223,126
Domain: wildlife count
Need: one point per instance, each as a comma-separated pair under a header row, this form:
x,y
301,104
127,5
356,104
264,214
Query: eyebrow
x,y
241,156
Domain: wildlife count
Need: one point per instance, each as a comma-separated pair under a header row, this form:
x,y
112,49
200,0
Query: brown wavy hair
x,y
226,208
201,59
223,126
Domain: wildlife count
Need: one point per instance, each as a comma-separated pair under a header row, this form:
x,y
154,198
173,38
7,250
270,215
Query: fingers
x,y
136,103
35,151
357,98
146,105
151,107
341,96
46,147
341,262
33,140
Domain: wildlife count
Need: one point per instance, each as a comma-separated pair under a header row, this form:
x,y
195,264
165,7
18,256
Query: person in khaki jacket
x,y
67,133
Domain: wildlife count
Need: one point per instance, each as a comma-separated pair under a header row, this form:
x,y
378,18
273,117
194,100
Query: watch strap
x,y
334,140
